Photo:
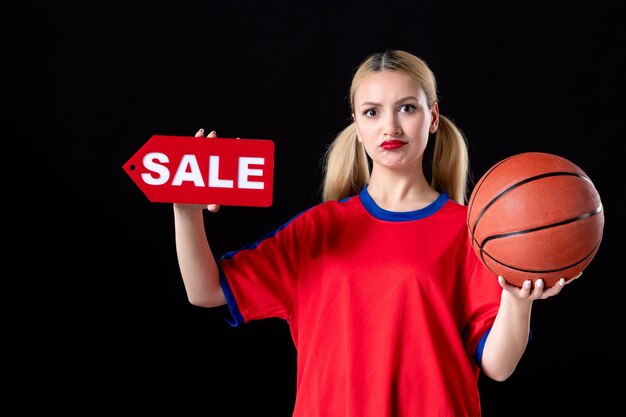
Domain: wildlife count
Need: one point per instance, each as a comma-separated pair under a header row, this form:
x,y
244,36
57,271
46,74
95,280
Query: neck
x,y
401,193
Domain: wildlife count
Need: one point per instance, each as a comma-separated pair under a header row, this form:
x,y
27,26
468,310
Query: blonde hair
x,y
345,164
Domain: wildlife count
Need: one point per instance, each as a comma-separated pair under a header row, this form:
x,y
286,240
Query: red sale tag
x,y
181,169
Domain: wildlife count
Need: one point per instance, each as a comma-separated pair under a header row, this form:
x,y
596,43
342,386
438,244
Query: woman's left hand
x,y
537,291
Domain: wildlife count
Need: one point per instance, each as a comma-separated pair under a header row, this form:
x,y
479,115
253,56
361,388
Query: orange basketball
x,y
535,215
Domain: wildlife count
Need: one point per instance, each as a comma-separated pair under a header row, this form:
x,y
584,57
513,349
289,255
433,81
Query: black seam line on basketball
x,y
471,203
474,240
527,180
546,226
540,271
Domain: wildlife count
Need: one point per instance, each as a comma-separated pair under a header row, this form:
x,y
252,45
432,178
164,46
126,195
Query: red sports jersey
x,y
386,309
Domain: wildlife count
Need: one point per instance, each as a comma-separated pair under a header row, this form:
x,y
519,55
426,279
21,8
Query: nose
x,y
391,126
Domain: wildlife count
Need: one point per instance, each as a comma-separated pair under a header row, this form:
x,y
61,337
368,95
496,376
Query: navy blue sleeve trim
x,y
478,356
232,316
232,253
481,346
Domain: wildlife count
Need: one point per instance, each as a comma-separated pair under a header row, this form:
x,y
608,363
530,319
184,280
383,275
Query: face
x,y
393,120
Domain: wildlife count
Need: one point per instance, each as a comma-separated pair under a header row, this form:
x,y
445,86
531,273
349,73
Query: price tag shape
x,y
224,171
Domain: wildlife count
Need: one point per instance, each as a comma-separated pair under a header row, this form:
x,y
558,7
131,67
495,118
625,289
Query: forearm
x,y
508,338
195,258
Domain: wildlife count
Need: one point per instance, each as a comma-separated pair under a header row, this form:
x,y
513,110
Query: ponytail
x,y
450,167
346,169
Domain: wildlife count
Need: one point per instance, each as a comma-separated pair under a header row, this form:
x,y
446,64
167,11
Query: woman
x,y
391,312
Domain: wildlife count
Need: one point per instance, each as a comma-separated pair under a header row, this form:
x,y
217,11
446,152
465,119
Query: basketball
x,y
535,215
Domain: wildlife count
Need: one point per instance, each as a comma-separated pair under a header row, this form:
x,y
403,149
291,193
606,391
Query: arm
x,y
509,334
195,258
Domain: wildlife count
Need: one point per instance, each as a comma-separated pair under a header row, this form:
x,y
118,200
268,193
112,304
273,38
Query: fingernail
x,y
562,282
527,284
212,132
539,282
201,130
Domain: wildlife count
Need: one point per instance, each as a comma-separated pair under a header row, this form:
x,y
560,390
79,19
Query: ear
x,y
434,115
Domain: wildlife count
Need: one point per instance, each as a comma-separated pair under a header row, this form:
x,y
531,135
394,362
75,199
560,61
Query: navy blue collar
x,y
400,216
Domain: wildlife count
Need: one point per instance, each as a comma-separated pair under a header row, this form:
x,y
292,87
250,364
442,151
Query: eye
x,y
406,108
370,112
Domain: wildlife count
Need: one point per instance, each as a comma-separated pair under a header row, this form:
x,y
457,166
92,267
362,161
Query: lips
x,y
392,144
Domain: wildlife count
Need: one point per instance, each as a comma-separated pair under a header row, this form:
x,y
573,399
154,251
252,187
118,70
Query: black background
x,y
98,323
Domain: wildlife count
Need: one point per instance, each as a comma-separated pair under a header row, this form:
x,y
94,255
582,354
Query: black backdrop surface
x,y
98,323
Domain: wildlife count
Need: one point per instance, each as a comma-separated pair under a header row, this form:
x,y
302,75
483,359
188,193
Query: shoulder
x,y
331,210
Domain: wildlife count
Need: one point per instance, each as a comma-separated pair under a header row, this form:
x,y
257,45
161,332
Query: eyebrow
x,y
372,103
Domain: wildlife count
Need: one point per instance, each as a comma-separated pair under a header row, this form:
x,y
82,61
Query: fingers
x,y
555,289
213,208
537,290
200,133
504,283
526,289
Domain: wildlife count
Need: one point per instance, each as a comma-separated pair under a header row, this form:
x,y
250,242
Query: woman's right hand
x,y
214,208
198,265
